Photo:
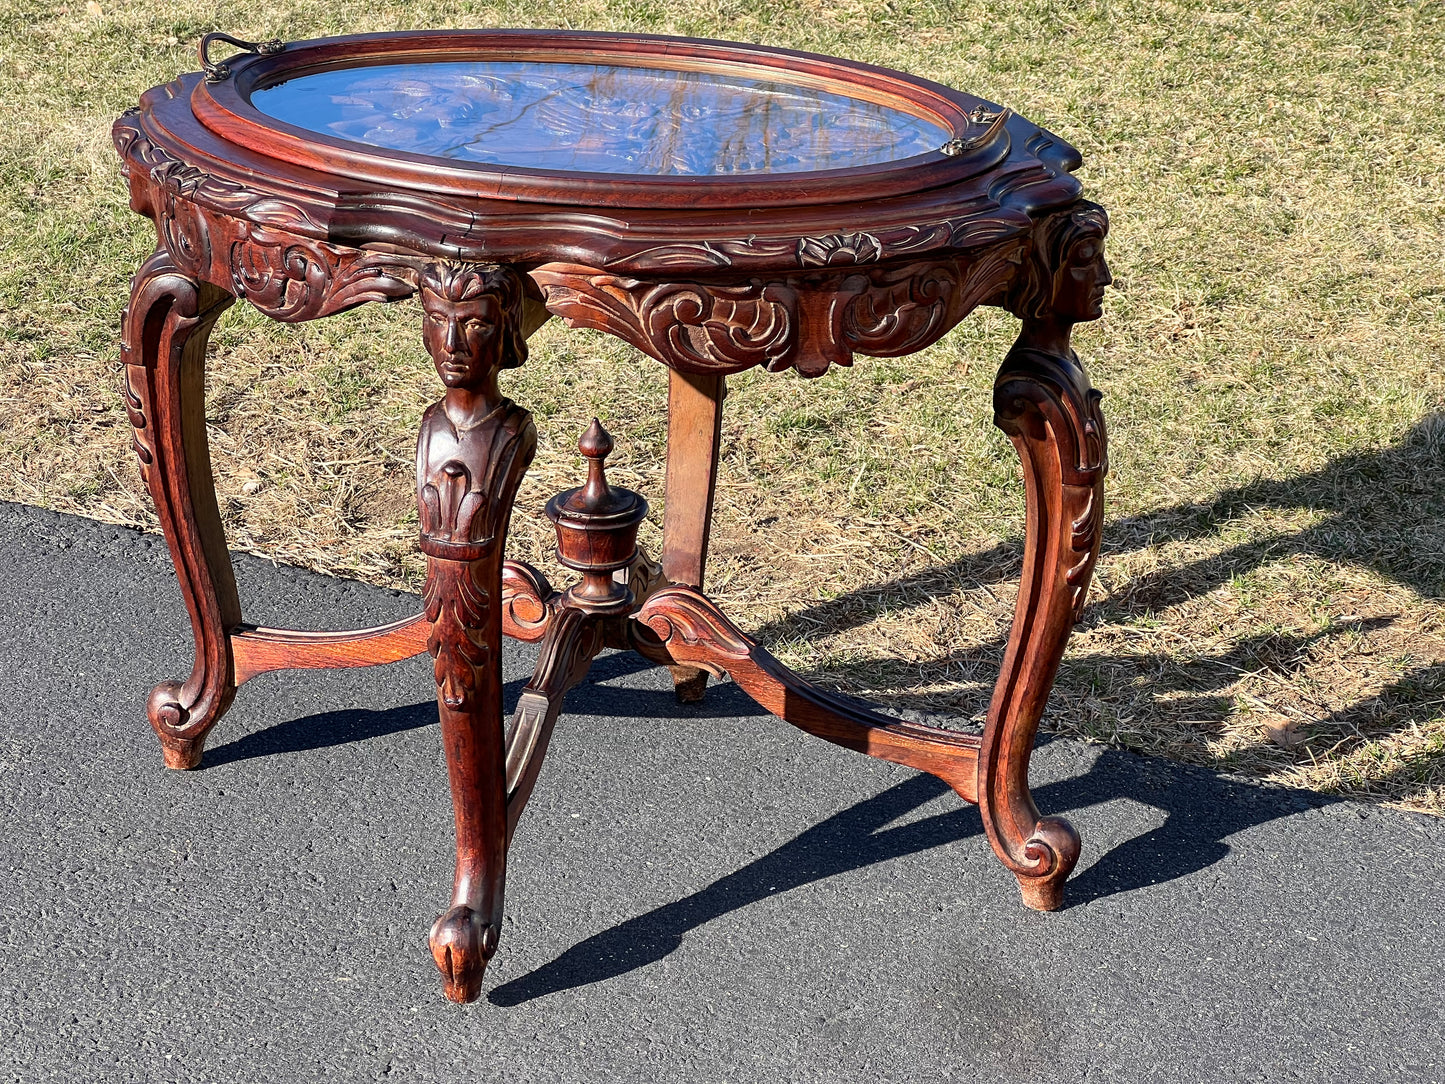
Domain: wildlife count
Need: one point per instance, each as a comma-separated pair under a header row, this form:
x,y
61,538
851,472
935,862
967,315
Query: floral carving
x,y
853,248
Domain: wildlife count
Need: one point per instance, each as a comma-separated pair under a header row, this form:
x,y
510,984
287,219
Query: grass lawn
x,y
1271,599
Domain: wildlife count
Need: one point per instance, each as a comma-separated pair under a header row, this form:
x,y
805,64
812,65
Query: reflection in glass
x,y
599,118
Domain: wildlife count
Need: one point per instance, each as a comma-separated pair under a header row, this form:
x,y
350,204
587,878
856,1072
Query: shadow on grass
x,y
1387,511
1202,810
1384,510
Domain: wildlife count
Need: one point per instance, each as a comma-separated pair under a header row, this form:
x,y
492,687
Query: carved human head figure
x,y
1065,273
473,322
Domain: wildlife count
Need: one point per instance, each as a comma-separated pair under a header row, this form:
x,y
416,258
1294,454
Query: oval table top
x,y
718,205
637,152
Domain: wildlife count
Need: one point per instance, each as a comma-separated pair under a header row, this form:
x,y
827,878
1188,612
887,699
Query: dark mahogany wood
x,y
710,274
527,602
163,345
572,641
225,108
1043,401
258,650
596,526
597,531
691,629
473,449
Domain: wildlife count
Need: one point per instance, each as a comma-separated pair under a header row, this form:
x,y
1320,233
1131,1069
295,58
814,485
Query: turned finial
x,y
595,445
597,529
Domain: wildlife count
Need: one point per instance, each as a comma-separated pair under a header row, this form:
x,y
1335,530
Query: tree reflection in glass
x,y
599,118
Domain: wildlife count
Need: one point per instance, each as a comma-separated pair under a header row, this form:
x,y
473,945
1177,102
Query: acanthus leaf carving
x,y
805,320
743,326
135,412
192,184
459,609
293,278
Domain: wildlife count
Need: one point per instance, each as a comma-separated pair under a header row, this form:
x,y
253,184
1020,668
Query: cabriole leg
x,y
164,334
472,451
1043,401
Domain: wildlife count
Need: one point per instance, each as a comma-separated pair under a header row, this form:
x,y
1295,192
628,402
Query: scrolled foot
x,y
164,333
1052,852
183,737
462,945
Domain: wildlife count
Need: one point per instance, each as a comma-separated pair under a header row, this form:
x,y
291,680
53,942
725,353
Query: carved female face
x,y
463,337
1079,285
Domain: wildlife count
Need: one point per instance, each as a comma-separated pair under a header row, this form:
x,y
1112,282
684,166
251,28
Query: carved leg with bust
x,y
472,451
164,334
1043,401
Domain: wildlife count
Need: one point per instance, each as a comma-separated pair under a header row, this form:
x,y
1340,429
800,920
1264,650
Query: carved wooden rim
x,y
226,110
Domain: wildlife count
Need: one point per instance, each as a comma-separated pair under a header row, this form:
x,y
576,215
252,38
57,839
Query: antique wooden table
x,y
719,207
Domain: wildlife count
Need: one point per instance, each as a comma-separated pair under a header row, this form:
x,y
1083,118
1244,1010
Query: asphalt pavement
x,y
695,893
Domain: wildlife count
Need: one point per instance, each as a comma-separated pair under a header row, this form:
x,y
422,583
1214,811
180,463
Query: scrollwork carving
x,y
806,321
251,243
293,278
1084,537
680,615
895,311
709,327
528,601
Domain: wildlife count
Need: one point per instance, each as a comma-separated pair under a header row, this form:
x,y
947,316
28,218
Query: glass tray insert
x,y
599,118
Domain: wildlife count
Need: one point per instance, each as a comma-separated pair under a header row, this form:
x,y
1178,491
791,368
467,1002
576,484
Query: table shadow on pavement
x,y
1199,818
1201,811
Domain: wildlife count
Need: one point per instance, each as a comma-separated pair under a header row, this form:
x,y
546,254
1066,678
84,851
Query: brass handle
x,y
215,72
981,117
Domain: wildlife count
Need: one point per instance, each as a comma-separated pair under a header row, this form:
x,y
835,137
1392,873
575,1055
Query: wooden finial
x,y
597,529
596,446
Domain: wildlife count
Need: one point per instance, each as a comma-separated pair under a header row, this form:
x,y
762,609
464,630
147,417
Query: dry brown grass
x,y
1270,599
